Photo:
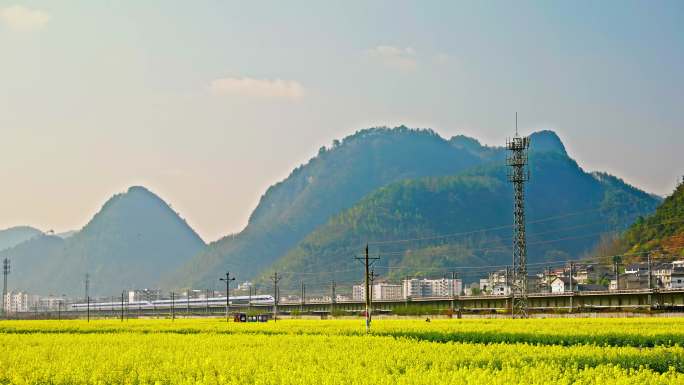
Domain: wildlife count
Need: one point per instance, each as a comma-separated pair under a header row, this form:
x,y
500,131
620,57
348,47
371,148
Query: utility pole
x,y
452,293
187,303
206,301
650,276
87,285
249,304
275,278
616,261
88,307
332,297
406,289
372,284
173,306
5,273
572,265
122,306
367,264
518,175
303,300
227,281
650,283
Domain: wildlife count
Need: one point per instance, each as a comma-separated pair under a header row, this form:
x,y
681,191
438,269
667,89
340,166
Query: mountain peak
x,y
139,189
546,141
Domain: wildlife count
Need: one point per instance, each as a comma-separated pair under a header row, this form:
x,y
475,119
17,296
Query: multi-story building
x,y
669,275
386,291
379,291
358,292
423,287
629,282
144,295
18,301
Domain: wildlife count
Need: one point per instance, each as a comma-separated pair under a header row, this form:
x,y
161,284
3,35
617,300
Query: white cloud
x,y
395,57
258,88
20,18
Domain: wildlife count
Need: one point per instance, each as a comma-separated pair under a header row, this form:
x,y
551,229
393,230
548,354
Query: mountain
x,y
131,242
16,235
663,230
330,182
301,221
568,210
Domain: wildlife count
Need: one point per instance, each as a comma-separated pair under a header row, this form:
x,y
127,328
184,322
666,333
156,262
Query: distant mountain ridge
x,y
338,178
377,184
418,212
15,235
333,180
134,239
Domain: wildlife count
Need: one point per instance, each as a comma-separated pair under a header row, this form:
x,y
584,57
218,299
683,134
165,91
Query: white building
x,y
17,301
500,289
423,287
386,291
379,291
144,295
670,275
358,292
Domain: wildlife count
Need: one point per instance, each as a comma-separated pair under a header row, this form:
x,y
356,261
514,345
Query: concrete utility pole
x,y
206,301
367,264
616,262
572,265
227,281
275,278
173,306
650,283
332,297
518,175
5,273
87,285
122,306
303,300
187,303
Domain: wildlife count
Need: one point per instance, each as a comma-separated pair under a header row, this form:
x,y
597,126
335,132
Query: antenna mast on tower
x,y
519,174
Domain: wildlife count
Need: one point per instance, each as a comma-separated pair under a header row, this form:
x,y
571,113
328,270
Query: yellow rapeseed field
x,y
560,351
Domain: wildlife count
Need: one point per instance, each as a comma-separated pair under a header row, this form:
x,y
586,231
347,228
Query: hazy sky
x,y
208,103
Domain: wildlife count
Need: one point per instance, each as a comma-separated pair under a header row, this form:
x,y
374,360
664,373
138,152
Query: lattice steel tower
x,y
5,273
518,174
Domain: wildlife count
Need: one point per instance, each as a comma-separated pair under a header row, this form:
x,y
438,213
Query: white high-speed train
x,y
177,302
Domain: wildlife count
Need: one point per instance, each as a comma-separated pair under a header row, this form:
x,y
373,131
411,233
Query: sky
x,y
207,103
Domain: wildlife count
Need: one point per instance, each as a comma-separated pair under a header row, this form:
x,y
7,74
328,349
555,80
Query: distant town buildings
x,y
424,287
19,301
410,288
147,295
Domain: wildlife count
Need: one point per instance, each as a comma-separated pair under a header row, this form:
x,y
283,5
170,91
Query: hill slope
x,y
664,229
134,239
16,235
330,182
567,210
339,177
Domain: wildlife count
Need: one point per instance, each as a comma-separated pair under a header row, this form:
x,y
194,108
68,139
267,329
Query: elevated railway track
x,y
577,302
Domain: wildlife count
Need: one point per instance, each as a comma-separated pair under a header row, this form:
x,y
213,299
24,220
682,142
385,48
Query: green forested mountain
x,y
130,242
330,182
663,230
568,210
398,183
16,235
